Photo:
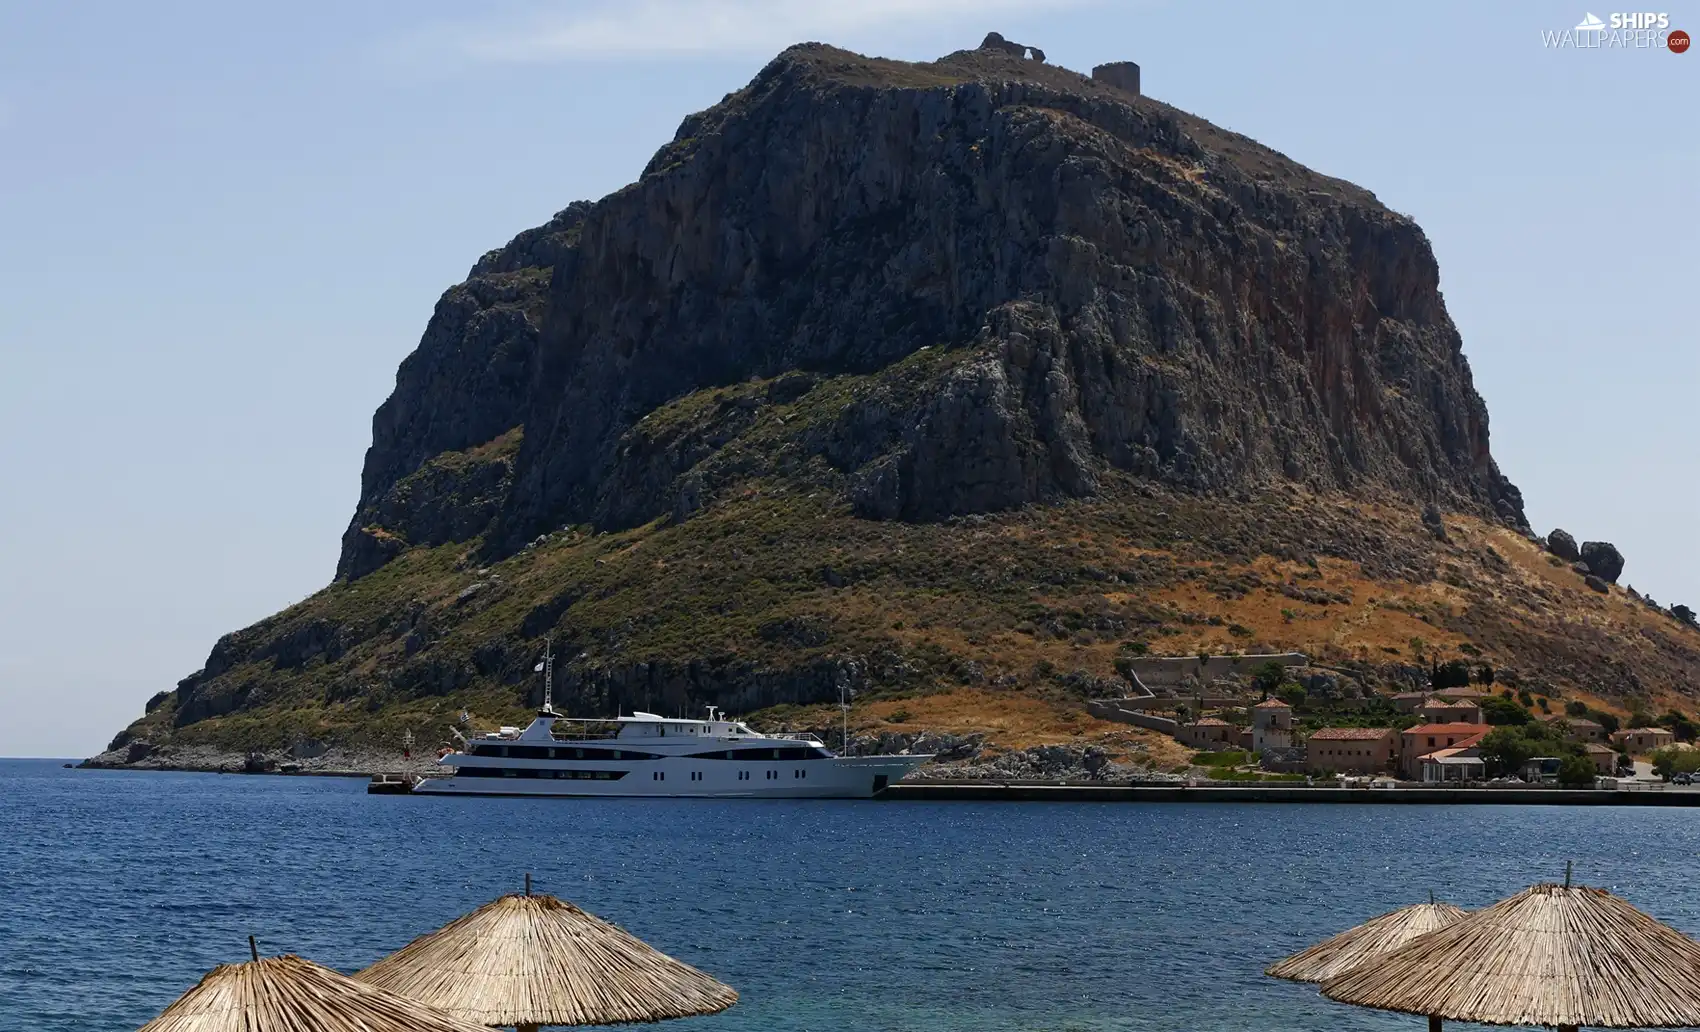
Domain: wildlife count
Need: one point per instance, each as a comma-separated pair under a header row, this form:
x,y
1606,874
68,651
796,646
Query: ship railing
x,y
795,736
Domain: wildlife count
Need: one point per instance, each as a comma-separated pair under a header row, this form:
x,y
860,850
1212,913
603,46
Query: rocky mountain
x,y
913,376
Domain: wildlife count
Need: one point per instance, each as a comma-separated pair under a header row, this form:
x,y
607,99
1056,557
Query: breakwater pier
x,y
989,791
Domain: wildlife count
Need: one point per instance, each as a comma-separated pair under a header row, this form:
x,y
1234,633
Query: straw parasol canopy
x,y
1551,955
1372,939
288,994
527,961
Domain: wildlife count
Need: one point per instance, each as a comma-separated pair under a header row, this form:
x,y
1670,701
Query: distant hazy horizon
x,y
223,232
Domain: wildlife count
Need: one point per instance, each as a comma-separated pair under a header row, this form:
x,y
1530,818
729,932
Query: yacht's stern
x,y
868,776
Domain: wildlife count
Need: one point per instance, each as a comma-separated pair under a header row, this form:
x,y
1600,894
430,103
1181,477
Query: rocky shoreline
x,y
332,762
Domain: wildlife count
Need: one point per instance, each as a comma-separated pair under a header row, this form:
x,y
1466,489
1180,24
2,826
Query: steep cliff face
x,y
442,450
966,373
1131,289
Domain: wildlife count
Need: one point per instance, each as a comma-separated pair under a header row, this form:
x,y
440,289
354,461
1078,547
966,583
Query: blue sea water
x,y
118,890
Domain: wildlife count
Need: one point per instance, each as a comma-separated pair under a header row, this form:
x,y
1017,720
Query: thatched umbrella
x,y
288,994
1372,939
1551,955
528,961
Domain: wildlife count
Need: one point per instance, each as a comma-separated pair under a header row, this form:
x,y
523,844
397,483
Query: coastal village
x,y
1275,718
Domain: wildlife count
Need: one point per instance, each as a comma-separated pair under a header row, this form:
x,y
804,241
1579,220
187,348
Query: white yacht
x,y
646,754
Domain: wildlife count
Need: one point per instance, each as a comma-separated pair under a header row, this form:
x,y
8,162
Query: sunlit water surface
x,y
118,890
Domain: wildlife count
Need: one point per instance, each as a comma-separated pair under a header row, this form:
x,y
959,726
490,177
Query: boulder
x,y
1603,559
1432,520
1597,584
1561,544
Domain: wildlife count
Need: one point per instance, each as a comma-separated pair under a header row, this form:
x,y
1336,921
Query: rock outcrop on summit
x,y
854,317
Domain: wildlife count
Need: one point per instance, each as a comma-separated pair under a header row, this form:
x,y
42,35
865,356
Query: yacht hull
x,y
842,777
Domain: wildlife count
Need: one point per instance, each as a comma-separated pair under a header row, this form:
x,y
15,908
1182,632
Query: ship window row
x,y
543,752
763,755
535,772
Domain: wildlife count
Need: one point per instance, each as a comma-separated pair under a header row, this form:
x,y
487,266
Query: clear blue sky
x,y
221,228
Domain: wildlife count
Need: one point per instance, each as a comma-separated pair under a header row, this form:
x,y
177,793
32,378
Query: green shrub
x,y
1229,758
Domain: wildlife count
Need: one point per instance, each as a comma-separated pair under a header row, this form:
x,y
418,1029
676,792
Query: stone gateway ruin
x,y
995,41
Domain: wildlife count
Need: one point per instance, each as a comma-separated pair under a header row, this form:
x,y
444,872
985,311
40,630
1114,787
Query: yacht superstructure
x,y
646,754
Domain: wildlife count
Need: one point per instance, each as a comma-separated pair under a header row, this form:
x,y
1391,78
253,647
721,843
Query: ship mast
x,y
548,665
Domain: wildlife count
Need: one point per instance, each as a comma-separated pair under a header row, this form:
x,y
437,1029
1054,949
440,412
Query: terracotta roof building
x,y
1207,733
1581,728
1271,726
1462,693
1354,750
1437,710
1604,757
1419,741
1644,739
1407,702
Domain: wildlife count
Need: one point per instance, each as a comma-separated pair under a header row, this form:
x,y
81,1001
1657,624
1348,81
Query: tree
x,y
1484,674
1500,711
1267,677
1504,751
1639,717
1607,721
1576,708
1293,694
1670,761
1577,772
1525,698
1451,674
1679,723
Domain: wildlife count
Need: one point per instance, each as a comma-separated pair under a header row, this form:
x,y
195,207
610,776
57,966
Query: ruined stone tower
x,y
1123,75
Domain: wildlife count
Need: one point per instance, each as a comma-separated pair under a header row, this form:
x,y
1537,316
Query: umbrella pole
x,y
525,1028
1433,1023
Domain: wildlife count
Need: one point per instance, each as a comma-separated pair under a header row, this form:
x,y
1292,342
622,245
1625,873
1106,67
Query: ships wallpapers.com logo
x,y
1624,30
